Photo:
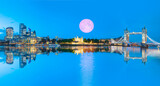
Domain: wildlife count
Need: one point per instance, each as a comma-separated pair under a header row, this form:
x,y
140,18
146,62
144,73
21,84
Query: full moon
x,y
86,25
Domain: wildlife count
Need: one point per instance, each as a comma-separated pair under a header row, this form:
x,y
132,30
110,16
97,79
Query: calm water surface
x,y
79,66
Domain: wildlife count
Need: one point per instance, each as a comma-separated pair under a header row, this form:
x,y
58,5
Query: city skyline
x,y
108,17
27,37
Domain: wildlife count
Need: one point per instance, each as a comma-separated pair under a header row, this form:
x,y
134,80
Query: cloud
x,y
2,33
8,22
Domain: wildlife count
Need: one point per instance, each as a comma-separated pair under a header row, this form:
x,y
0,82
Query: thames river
x,y
79,66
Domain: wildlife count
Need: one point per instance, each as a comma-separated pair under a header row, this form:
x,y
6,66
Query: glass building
x,y
22,29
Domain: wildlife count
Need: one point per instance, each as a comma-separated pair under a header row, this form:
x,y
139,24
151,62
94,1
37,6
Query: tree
x,y
95,40
84,40
65,40
73,39
43,40
107,41
88,40
53,40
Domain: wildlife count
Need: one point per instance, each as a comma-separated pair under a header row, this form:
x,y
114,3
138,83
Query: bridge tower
x,y
126,35
144,35
126,38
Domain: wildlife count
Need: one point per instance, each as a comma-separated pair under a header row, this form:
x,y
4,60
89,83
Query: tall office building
x,y
33,34
22,29
29,31
9,33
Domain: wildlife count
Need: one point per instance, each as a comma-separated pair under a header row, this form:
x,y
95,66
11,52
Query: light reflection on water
x,y
13,59
87,68
28,54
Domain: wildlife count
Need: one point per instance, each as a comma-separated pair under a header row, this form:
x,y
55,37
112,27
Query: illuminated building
x,y
39,39
33,40
33,34
78,40
22,29
29,32
9,33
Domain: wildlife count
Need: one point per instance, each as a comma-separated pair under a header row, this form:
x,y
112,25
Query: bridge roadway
x,y
132,33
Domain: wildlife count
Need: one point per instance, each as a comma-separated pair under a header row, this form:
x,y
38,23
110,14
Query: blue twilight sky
x,y
62,17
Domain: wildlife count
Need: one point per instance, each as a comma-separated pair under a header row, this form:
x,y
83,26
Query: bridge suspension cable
x,y
155,42
120,40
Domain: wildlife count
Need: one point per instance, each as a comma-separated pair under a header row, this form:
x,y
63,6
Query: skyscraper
x,y
33,34
9,33
29,31
22,29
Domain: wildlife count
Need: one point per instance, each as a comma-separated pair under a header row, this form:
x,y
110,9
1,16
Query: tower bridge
x,y
124,40
143,33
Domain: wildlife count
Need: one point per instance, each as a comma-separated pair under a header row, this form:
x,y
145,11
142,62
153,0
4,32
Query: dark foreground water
x,y
79,66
